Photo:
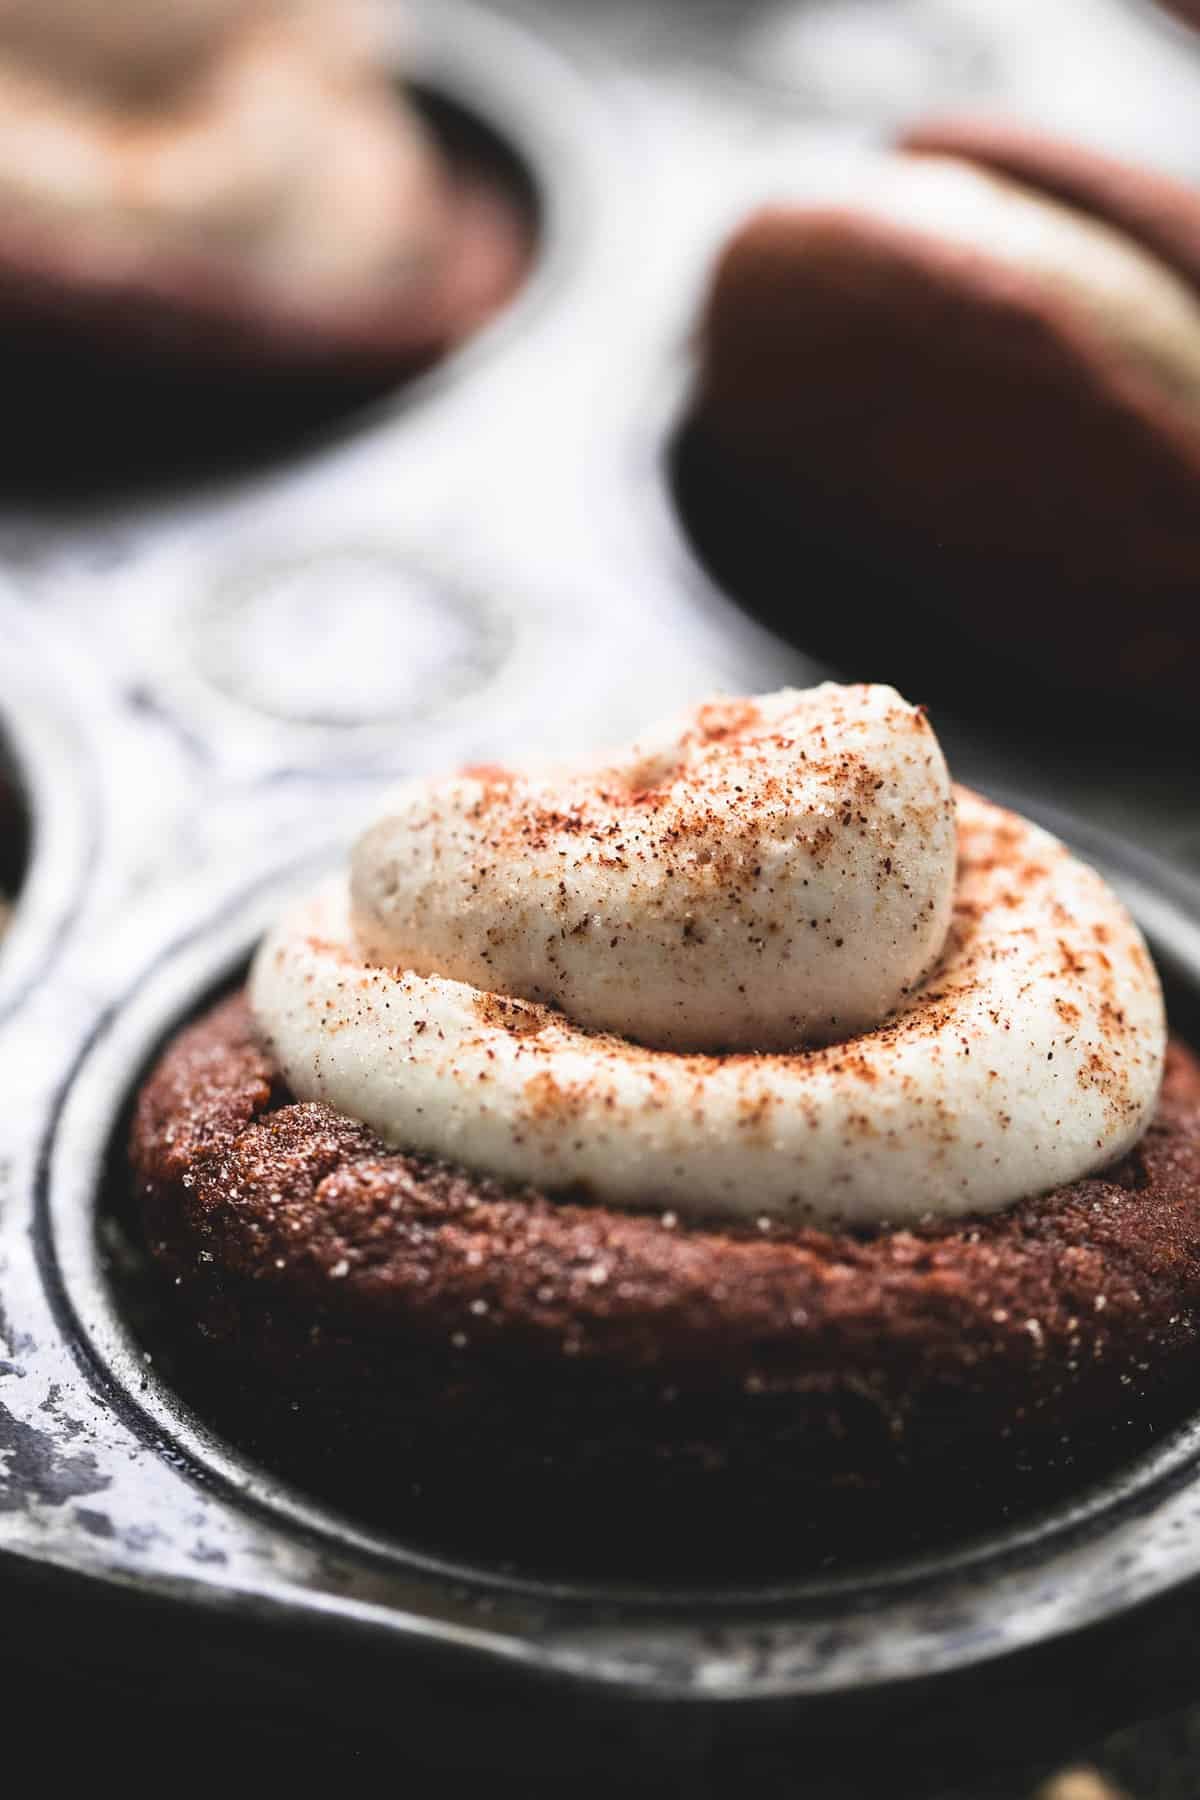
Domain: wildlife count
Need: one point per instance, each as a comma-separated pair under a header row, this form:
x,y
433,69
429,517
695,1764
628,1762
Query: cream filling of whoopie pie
x,y
1127,294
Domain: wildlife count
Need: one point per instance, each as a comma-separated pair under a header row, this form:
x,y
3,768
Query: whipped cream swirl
x,y
1030,1054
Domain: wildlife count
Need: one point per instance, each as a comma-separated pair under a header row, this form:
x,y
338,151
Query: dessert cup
x,y
640,1390
184,1568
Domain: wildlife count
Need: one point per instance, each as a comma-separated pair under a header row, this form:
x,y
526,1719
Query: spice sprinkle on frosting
x,y
767,962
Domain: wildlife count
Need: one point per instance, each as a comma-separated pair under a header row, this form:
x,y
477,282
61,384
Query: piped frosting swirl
x,y
1010,1042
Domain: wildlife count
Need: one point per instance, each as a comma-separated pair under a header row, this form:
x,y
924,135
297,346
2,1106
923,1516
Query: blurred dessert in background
x,y
235,187
964,378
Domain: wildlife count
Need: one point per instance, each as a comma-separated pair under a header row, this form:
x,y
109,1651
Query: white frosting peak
x,y
757,875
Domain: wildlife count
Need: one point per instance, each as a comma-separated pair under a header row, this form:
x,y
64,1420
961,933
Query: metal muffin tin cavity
x,y
484,564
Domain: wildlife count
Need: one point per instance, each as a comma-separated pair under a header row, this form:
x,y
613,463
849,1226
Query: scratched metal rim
x,y
42,750
1124,1540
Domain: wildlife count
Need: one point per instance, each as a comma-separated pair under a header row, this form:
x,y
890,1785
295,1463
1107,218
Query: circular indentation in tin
x,y
129,1328
882,64
344,639
871,59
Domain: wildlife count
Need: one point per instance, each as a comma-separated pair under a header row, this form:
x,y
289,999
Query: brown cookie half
x,y
560,1380
915,441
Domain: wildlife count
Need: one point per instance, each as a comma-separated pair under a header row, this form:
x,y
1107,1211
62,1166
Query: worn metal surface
x,y
205,690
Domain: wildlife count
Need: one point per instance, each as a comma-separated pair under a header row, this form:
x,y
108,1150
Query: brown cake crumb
x,y
413,1308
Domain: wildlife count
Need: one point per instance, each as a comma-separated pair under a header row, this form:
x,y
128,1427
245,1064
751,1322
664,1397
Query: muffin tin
x,y
204,689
